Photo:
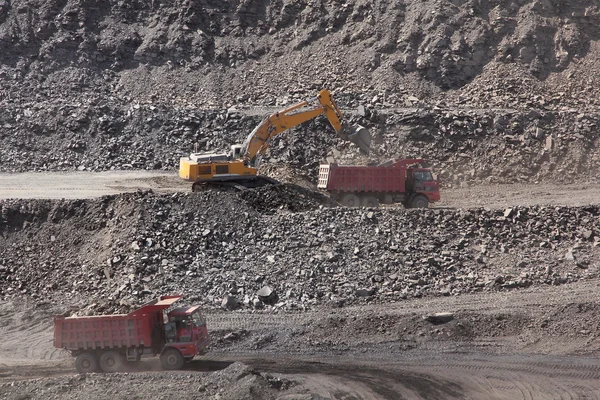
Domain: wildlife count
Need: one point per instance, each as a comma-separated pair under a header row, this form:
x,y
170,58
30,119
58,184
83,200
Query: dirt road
x,y
499,196
73,185
492,362
82,185
426,376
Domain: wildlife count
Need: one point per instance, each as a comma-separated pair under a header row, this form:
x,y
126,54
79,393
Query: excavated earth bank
x,y
488,91
117,251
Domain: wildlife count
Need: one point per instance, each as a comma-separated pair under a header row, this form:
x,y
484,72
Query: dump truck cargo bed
x,y
111,331
367,179
403,181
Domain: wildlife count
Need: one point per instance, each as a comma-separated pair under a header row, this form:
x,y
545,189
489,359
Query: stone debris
x,y
293,260
267,295
486,96
229,303
236,381
439,318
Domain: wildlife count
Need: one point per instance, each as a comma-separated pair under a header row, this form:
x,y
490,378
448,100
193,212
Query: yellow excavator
x,y
238,169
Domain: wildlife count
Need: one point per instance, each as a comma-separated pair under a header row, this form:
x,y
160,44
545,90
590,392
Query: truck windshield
x,y
422,176
181,321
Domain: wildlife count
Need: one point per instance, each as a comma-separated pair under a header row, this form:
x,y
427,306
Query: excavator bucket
x,y
361,137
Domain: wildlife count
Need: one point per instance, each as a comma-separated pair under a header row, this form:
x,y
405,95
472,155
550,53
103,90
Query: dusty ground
x,y
82,185
490,92
532,343
507,354
500,196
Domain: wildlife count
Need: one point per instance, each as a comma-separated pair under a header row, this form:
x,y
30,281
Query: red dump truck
x,y
107,342
397,181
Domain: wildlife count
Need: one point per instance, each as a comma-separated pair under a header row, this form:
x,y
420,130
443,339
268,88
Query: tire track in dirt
x,y
494,378
28,334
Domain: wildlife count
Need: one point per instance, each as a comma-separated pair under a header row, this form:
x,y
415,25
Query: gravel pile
x,y
494,146
285,197
134,85
464,147
219,250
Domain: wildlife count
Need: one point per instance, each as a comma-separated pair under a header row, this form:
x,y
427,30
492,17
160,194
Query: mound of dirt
x,y
237,381
117,251
114,85
232,51
287,197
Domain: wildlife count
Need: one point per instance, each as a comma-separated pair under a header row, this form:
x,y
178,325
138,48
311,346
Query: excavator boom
x,y
258,140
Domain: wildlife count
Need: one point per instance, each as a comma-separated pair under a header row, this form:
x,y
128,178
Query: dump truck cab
x,y
186,336
421,181
186,331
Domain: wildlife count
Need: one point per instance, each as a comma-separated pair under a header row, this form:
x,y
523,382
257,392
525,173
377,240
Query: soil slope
x,y
496,91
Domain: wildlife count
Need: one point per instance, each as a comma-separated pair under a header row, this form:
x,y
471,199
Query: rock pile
x,y
285,197
135,85
120,250
242,52
464,147
495,146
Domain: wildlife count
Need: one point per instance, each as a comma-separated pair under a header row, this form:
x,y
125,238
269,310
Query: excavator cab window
x,y
236,152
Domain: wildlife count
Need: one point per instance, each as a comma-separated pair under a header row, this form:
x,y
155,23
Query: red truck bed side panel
x,y
100,332
110,331
363,179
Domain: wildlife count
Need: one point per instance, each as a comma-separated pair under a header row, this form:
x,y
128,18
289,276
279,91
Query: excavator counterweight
x,y
238,169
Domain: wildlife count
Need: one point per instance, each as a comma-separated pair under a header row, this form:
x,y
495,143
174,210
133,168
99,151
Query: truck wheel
x,y
111,361
172,359
370,201
419,201
351,200
86,363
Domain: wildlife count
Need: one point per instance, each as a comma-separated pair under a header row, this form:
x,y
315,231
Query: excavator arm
x,y
259,139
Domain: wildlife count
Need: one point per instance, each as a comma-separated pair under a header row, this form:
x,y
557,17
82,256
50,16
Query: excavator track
x,y
234,185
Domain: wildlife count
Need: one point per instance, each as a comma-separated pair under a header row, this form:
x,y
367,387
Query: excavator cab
x,y
235,152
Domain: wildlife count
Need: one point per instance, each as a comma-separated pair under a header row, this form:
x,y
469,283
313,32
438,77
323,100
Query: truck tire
x,y
370,201
111,361
171,360
419,201
86,363
351,200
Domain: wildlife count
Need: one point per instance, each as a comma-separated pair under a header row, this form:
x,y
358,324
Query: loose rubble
x,y
486,92
466,86
220,251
